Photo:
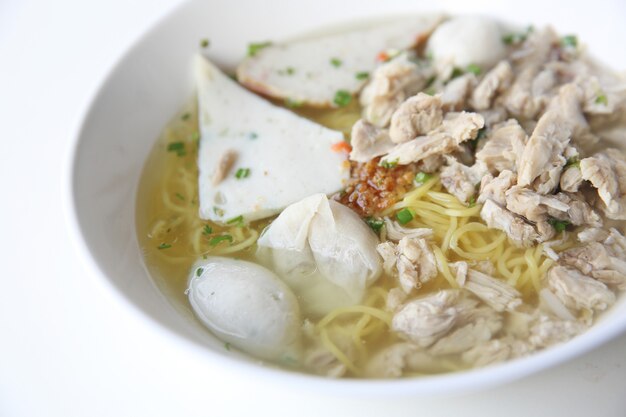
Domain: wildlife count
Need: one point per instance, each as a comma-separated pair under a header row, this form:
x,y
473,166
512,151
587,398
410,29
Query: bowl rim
x,y
436,385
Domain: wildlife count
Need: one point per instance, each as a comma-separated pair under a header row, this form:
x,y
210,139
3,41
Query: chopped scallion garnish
x,y
474,69
253,135
574,161
180,197
472,201
207,230
185,116
601,98
204,43
218,211
292,103
388,164
199,271
242,173
375,223
254,48
559,225
405,215
175,146
569,40
227,346
218,239
342,98
335,62
164,246
422,177
235,220
456,72
363,75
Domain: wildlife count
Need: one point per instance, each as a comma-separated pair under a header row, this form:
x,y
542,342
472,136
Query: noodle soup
x,y
486,228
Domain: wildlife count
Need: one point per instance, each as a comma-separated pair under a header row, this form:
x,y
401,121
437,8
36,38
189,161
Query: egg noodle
x,y
177,236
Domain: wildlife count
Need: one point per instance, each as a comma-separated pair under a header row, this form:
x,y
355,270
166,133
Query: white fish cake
x,y
269,156
313,70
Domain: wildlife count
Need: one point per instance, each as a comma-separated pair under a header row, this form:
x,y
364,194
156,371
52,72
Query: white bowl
x,y
151,83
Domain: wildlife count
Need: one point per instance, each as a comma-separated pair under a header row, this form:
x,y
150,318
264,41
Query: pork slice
x,y
425,320
395,231
415,117
391,84
542,161
578,291
571,179
457,91
392,361
467,336
495,188
413,260
368,141
460,180
606,171
455,129
547,331
597,260
504,147
496,293
521,233
497,80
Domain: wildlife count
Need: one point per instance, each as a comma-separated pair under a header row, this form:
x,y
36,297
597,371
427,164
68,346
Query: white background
x,y
66,350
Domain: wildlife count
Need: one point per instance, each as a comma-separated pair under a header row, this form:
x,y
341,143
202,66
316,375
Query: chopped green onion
x,y
164,246
207,230
374,223
218,239
254,48
253,135
180,197
430,81
388,164
292,103
422,177
227,346
472,201
218,211
194,137
175,146
601,98
456,72
287,71
515,38
185,116
242,173
574,161
235,220
569,40
559,225
474,69
199,271
342,98
335,62
204,43
363,75
405,215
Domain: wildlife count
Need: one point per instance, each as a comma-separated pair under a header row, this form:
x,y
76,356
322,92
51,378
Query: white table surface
x,y
65,350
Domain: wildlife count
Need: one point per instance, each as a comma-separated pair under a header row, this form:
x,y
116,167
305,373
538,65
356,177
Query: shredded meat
x,y
368,141
415,117
456,92
413,260
520,232
607,173
504,147
460,180
495,82
495,188
578,291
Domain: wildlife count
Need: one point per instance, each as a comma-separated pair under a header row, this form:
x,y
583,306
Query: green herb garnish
x,y
199,271
218,239
218,211
363,75
235,220
164,246
287,71
474,69
207,230
516,37
601,98
227,346
254,48
374,223
559,225
574,161
185,116
342,98
204,43
422,177
242,173
253,135
456,72
405,215
388,164
569,40
472,201
180,196
335,62
177,147
194,137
